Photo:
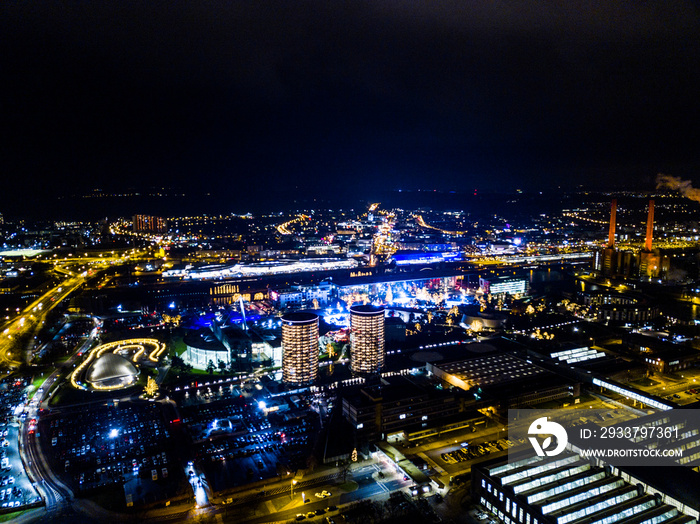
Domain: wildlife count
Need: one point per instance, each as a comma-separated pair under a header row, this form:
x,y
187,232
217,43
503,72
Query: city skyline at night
x,y
368,262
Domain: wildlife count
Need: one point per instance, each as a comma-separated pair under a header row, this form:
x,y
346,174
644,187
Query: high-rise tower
x,y
367,353
299,348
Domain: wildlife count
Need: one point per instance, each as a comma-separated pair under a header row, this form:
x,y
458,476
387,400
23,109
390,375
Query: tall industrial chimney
x,y
613,218
650,227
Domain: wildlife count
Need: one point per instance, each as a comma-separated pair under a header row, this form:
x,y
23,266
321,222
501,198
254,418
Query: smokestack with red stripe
x,y
613,218
650,227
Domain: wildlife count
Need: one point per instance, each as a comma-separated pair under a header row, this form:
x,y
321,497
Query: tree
x,y
176,362
210,367
151,388
222,366
344,470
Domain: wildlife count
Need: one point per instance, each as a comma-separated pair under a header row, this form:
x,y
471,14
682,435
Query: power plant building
x,y
367,339
646,263
299,348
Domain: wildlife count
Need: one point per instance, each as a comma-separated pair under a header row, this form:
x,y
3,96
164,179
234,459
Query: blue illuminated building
x,y
406,258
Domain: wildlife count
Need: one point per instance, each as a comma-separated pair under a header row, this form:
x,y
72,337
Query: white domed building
x,y
111,371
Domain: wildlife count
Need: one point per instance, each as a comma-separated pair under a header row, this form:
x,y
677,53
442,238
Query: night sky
x,y
329,96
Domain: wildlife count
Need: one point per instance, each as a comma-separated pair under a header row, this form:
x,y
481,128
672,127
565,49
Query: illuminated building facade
x,y
203,346
502,285
367,353
299,348
149,224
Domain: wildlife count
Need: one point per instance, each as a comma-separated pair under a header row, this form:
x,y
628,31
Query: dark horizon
x,y
353,97
178,202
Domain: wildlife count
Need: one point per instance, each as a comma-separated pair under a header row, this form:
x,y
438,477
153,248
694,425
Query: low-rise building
x,y
394,405
503,381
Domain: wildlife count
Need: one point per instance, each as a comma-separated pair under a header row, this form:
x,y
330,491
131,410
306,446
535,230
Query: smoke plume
x,y
685,187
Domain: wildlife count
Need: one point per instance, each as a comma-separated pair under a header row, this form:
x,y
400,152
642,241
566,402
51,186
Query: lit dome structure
x,y
110,371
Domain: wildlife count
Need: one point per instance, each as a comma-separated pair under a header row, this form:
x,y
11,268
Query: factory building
x,y
648,263
570,489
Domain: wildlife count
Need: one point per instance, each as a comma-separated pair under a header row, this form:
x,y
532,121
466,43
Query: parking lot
x,y
456,454
236,442
109,445
16,489
471,452
682,387
13,393
687,396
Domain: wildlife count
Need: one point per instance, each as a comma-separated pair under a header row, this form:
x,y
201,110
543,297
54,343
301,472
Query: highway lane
x,y
77,271
55,494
